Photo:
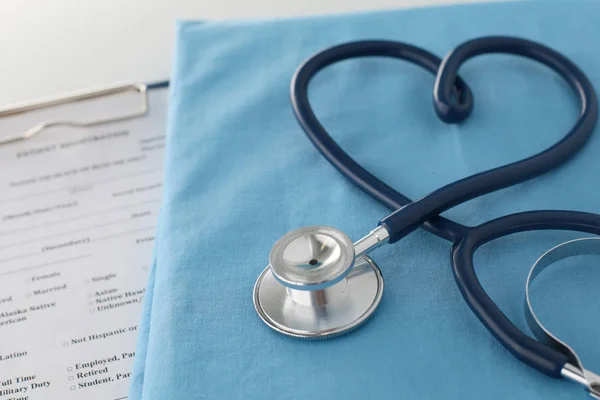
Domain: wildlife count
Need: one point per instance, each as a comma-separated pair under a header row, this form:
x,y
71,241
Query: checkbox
x,y
91,303
89,296
72,387
65,344
71,378
28,295
69,368
92,311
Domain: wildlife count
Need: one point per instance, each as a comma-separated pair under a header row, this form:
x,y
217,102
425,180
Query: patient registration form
x,y
78,211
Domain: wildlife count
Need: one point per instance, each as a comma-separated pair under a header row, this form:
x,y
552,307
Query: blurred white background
x,y
55,46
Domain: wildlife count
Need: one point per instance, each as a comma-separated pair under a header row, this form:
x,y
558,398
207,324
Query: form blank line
x,y
30,196
45,265
19,257
124,233
117,178
76,218
67,233
126,176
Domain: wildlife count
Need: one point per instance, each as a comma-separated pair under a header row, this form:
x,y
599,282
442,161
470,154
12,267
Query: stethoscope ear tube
x,y
540,356
574,370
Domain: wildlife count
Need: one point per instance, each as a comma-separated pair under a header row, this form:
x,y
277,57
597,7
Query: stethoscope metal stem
x,y
377,237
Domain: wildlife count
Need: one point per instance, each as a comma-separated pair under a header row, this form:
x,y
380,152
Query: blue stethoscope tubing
x,y
453,103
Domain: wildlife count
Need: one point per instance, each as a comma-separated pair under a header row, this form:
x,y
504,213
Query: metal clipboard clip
x,y
105,91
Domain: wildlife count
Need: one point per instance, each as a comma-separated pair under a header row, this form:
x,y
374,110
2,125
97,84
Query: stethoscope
x,y
319,284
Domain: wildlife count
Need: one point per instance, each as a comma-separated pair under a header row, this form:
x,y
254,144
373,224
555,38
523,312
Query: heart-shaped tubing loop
x,y
407,219
453,101
540,356
334,153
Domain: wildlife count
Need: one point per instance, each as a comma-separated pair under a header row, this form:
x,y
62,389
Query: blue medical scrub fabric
x,y
240,173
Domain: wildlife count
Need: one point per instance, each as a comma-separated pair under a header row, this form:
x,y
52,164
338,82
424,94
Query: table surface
x,y
51,47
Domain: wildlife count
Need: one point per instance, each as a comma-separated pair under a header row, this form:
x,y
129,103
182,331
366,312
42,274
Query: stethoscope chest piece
x,y
315,287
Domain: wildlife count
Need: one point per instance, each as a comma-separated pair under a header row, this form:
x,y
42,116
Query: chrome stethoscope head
x,y
318,284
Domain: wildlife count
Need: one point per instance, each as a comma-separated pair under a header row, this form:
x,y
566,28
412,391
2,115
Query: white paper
x,y
78,211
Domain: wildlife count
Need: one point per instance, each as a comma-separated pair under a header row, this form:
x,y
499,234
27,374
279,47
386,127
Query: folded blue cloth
x,y
240,173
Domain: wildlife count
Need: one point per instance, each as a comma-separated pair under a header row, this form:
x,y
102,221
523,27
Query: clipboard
x,y
78,213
